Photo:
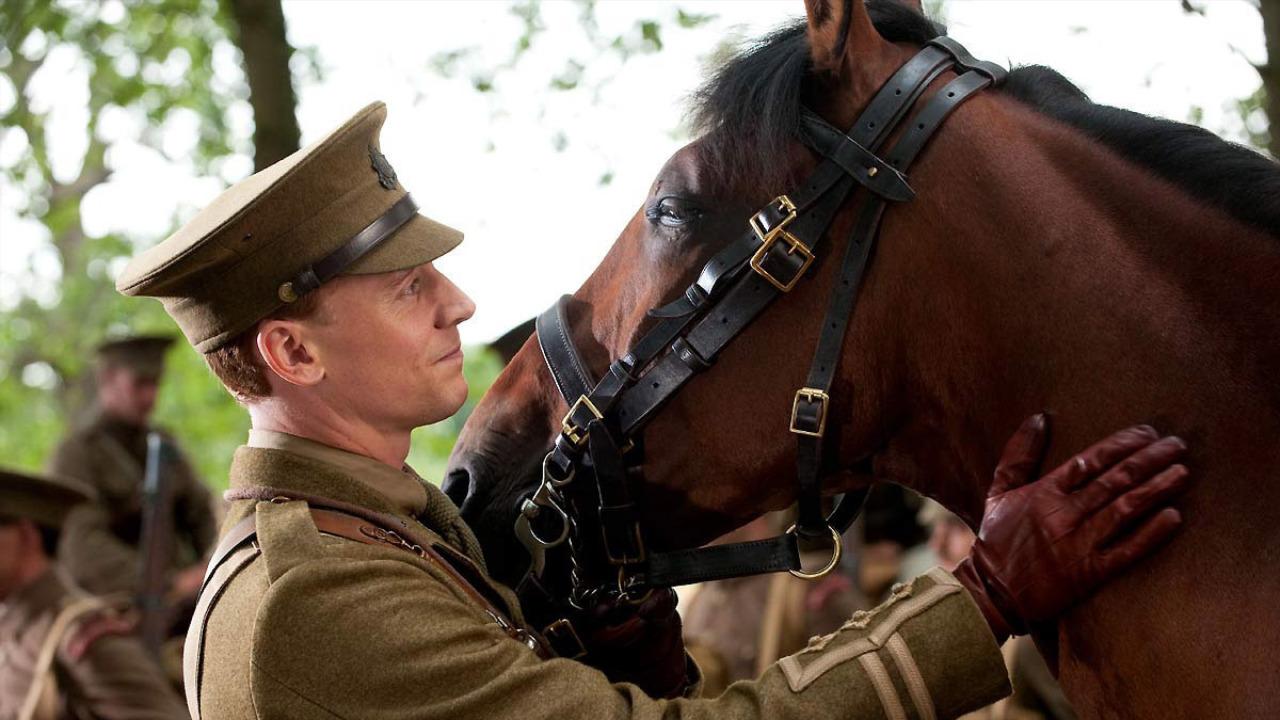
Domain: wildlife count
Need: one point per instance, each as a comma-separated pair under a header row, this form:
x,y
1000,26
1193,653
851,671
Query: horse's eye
x,y
672,212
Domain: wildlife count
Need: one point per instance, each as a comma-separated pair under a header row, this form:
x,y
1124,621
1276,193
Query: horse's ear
x,y
840,31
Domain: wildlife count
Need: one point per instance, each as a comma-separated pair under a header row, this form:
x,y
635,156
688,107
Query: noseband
x,y
588,476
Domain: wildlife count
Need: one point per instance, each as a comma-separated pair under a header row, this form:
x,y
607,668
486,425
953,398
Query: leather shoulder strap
x,y
232,558
42,672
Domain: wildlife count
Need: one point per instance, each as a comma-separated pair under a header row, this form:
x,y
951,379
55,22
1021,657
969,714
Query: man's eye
x,y
672,212
413,287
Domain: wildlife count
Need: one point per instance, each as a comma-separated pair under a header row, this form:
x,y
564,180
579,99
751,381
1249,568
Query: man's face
x,y
390,348
127,395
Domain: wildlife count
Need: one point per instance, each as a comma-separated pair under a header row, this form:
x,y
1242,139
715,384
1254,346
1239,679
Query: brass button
x,y
286,293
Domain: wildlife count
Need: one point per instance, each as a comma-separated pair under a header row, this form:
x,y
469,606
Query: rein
x,y
587,477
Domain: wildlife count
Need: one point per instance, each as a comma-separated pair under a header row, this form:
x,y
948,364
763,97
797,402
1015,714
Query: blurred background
x,y
534,126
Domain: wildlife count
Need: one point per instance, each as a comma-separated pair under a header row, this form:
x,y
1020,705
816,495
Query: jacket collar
x,y
291,463
402,489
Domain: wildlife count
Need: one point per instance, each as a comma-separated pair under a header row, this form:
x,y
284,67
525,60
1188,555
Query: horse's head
x,y
1058,254
719,453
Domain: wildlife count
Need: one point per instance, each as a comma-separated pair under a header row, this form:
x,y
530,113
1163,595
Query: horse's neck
x,y
1071,280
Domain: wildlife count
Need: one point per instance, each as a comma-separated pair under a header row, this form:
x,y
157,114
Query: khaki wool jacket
x,y
317,626
99,545
67,655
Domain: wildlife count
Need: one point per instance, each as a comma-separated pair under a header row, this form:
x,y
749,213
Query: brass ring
x,y
837,548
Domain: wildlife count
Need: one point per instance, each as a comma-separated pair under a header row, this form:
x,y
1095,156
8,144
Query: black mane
x,y
749,112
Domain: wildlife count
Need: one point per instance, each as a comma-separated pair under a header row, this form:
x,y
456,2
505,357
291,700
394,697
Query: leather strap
x,y
993,71
812,408
335,262
560,354
718,562
42,670
234,558
240,533
858,162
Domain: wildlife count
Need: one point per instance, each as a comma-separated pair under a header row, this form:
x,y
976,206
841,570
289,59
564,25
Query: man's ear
x,y
840,32
284,350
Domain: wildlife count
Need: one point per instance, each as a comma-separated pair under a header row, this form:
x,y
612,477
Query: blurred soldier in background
x,y
63,653
102,544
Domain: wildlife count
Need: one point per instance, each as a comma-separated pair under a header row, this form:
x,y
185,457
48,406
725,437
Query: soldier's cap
x,y
334,207
42,500
143,355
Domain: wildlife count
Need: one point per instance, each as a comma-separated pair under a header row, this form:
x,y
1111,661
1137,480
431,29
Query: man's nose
x,y
457,305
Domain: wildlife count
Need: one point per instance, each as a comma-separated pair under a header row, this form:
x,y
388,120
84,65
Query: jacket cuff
x,y
926,652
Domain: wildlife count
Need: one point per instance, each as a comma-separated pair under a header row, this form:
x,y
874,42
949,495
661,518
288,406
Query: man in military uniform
x,y
345,586
63,653
109,453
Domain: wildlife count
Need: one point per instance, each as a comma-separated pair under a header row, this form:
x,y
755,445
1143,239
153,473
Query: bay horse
x,y
1110,267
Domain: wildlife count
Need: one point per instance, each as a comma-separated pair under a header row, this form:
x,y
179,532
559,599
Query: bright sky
x,y
536,218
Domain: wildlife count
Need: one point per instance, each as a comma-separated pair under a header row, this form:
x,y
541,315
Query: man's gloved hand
x,y
638,643
1046,545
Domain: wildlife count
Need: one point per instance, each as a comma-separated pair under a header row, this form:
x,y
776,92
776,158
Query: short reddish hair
x,y
236,364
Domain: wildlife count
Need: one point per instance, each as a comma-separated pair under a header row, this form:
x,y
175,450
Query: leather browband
x,y
335,262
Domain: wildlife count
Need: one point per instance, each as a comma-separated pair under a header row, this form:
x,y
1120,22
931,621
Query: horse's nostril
x,y
457,485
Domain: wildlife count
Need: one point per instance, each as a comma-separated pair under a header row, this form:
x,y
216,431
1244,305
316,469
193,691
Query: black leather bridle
x,y
587,478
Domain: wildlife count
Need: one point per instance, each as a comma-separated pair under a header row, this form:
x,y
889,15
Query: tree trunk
x,y
1271,71
260,34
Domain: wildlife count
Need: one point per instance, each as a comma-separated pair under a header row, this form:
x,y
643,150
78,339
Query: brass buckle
x,y
564,639
769,238
578,435
784,203
811,395
837,548
626,559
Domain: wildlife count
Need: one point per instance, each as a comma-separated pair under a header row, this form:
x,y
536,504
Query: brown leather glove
x,y
1046,545
641,644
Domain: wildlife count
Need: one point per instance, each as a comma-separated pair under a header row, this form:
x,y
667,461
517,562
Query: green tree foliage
x,y
1259,111
582,71
153,60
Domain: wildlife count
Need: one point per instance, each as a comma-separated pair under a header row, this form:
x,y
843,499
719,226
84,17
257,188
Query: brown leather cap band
x,y
335,262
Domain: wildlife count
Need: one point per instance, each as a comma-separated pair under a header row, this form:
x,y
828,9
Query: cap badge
x,y
386,173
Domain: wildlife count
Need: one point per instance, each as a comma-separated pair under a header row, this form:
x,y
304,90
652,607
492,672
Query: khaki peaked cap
x,y
42,500
228,267
141,354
